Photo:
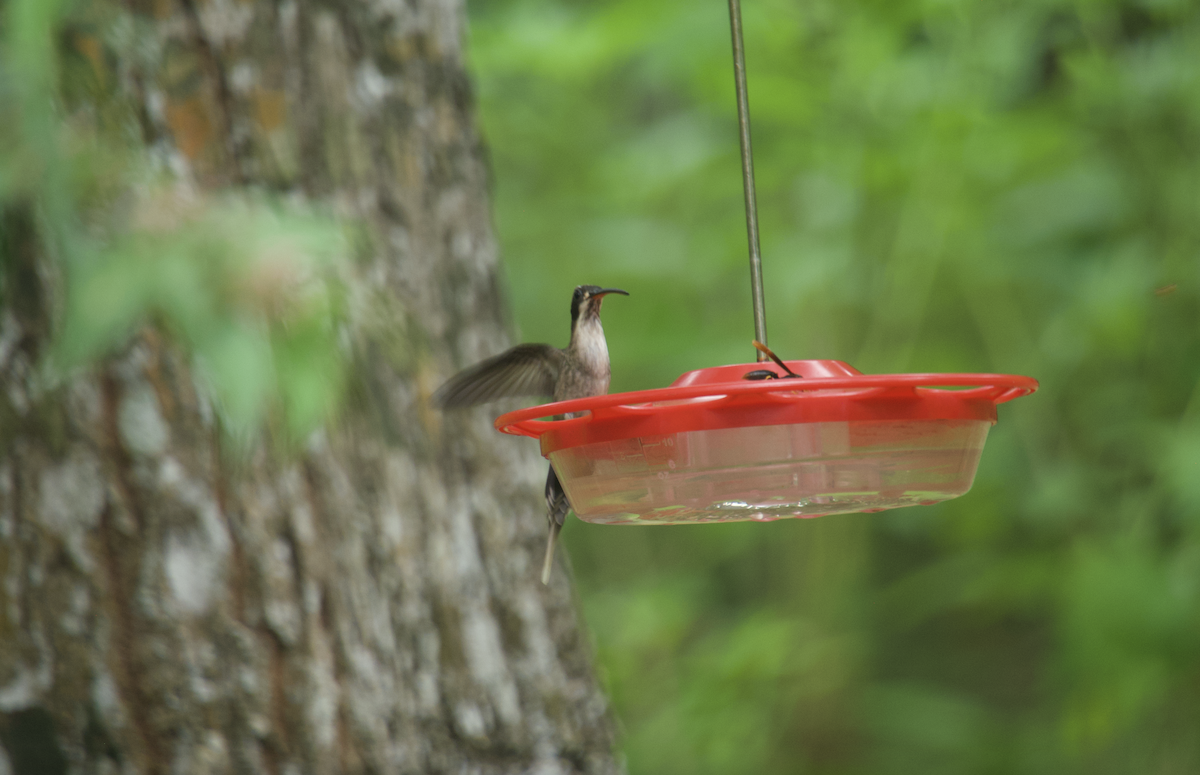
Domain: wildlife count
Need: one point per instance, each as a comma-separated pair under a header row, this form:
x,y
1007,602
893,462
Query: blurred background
x,y
944,186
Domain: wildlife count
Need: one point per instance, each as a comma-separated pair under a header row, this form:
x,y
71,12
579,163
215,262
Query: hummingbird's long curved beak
x,y
610,290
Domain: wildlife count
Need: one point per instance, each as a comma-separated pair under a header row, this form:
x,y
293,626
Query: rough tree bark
x,y
370,605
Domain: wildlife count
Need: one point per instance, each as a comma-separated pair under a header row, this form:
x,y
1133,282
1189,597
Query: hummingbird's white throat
x,y
589,348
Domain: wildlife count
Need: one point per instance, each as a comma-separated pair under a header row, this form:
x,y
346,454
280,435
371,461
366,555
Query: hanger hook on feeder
x,y
743,109
762,374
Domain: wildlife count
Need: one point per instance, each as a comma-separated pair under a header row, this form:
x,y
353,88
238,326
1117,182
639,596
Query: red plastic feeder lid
x,y
720,397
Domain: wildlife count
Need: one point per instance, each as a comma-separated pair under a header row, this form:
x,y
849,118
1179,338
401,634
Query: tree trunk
x,y
371,604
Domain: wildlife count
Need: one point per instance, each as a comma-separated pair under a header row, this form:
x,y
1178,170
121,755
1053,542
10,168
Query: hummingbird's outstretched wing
x,y
525,370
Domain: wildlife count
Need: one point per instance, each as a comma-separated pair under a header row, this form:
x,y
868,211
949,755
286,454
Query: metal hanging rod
x,y
743,108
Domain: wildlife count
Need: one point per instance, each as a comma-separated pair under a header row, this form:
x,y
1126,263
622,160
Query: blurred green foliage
x,y
243,284
945,186
246,283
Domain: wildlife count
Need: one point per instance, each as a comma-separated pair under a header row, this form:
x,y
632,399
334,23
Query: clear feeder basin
x,y
769,472
715,447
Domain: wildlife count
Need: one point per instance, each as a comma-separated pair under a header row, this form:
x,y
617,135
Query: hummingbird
x,y
579,371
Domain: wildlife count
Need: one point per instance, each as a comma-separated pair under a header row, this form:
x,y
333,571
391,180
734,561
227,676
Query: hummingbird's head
x,y
586,301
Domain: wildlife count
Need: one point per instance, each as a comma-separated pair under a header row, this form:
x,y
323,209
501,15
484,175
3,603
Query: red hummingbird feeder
x,y
714,447
744,442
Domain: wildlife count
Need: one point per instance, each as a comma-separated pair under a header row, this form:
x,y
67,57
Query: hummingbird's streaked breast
x,y
588,370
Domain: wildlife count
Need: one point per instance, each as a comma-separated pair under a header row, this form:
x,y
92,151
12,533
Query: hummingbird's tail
x,y
551,541
557,507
